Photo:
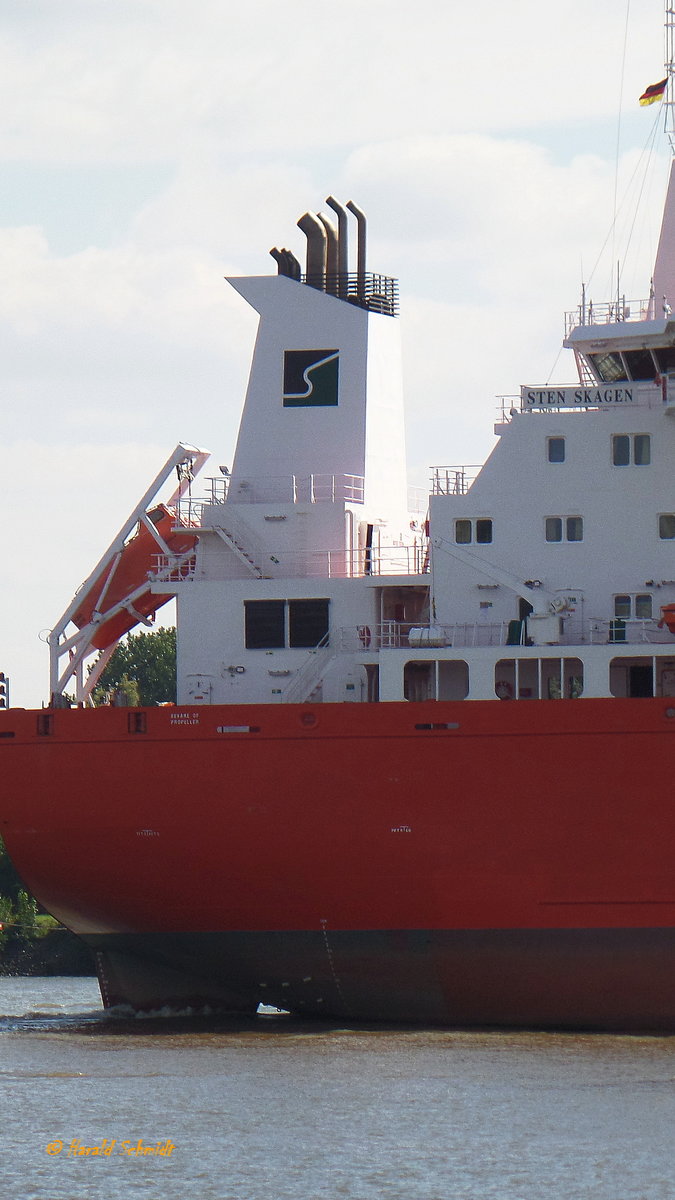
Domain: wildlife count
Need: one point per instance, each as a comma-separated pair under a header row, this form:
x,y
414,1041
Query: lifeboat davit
x,y
119,580
668,617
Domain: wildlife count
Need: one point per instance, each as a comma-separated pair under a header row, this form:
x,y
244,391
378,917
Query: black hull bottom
x,y
611,979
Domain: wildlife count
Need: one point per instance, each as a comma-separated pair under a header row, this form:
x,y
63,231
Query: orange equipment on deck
x,y
128,572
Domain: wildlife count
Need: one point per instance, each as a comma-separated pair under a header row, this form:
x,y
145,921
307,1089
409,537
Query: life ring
x,y
364,636
503,689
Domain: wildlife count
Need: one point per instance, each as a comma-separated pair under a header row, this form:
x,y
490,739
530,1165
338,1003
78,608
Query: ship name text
x,y
575,397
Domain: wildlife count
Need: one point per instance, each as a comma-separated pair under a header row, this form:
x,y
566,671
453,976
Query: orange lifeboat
x,y
668,617
117,582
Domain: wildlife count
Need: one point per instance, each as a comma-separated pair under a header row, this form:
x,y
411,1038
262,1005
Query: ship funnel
x,y
317,239
361,246
327,267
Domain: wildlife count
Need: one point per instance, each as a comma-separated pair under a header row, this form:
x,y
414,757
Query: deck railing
x,y
452,481
314,564
321,488
415,635
377,293
613,312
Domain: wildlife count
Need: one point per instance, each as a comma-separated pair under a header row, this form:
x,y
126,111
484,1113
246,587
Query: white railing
x,y
316,564
620,630
418,499
388,635
394,635
273,489
614,311
452,481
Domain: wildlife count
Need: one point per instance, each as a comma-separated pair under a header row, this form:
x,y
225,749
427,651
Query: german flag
x,y
654,93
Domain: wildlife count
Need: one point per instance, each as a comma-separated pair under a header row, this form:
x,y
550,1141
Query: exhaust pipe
x,y
343,244
287,263
361,248
315,232
332,251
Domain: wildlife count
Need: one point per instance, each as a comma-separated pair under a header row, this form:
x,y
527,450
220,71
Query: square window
x,y
575,529
554,529
307,622
621,450
667,526
483,532
622,606
643,607
265,623
556,449
462,532
642,453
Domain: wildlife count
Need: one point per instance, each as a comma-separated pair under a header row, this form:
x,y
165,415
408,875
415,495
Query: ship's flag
x,y
654,93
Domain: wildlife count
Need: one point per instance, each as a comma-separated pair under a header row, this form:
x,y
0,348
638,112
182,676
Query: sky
x,y
149,148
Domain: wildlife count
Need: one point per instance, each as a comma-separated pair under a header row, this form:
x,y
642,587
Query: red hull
x,y
401,856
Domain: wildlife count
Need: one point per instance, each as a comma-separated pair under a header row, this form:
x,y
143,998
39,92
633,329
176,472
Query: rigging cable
x,y
618,125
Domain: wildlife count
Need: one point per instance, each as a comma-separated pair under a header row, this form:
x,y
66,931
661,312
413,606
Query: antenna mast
x,y
669,97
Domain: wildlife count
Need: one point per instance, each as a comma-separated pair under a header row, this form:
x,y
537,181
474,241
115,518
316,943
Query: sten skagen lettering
x,y
567,397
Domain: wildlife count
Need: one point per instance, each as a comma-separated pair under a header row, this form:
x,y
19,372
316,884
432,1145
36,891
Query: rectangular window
x,y
307,622
556,449
479,530
632,448
554,529
639,607
667,526
265,622
571,527
621,450
575,529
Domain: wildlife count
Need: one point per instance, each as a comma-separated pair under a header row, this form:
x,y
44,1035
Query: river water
x,y
277,1110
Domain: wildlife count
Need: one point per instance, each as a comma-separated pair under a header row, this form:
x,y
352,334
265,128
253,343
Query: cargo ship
x,y
419,767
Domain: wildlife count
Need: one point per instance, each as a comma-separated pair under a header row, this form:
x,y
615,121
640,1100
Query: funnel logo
x,y
310,378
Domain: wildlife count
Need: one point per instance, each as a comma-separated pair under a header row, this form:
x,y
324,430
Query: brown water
x,y
279,1110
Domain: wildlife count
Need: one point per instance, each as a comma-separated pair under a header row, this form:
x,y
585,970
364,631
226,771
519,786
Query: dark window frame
x,y
628,450
300,623
480,530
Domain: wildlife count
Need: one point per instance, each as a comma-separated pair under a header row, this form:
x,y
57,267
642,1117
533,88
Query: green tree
x,y
26,917
147,660
10,882
6,920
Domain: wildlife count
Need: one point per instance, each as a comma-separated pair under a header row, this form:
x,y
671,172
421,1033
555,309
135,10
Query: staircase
x,y
239,541
307,680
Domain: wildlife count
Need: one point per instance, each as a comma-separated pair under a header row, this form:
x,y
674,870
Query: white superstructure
x,y
542,574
